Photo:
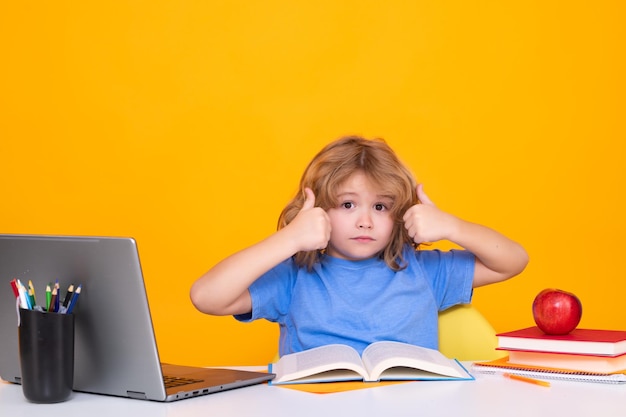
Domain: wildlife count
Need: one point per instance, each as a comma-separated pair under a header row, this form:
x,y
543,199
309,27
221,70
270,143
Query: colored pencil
x,y
53,300
48,296
68,295
16,292
72,303
527,379
31,293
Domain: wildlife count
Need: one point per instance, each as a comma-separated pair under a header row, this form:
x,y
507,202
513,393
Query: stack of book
x,y
586,354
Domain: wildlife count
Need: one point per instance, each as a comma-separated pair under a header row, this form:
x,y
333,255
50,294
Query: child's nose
x,y
365,222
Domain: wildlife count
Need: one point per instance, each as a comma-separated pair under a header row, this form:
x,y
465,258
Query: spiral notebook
x,y
502,365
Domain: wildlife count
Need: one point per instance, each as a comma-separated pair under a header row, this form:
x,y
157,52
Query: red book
x,y
584,363
579,341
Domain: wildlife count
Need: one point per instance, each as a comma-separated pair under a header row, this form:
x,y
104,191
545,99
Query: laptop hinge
x,y
137,395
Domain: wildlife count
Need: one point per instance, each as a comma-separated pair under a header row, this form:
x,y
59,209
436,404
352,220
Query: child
x,y
345,264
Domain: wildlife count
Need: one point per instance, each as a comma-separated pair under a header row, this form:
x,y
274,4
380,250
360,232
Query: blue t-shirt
x,y
361,302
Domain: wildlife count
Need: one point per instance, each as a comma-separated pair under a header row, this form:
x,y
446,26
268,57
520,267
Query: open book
x,y
380,361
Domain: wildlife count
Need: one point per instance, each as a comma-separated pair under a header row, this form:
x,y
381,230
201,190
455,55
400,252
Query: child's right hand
x,y
311,227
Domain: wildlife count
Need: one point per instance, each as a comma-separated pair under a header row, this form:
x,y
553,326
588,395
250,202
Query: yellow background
x,y
187,124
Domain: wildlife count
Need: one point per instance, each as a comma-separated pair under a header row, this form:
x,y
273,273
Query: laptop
x,y
115,347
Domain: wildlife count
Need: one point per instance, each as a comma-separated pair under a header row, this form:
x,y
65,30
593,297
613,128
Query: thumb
x,y
309,201
421,195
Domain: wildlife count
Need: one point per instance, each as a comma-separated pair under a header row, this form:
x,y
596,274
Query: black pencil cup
x,y
46,346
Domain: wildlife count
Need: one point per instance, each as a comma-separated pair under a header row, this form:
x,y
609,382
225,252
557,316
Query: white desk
x,y
487,396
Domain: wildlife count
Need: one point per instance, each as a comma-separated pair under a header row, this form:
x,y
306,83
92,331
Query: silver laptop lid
x,y
109,358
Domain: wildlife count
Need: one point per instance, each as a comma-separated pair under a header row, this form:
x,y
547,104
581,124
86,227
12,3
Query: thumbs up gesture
x,y
311,226
424,222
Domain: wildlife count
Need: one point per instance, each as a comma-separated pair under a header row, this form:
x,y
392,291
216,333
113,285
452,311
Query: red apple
x,y
556,311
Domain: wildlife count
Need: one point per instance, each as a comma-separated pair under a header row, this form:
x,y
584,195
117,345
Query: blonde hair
x,y
333,165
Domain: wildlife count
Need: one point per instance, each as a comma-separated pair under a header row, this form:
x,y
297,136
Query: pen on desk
x,y
72,302
68,295
527,379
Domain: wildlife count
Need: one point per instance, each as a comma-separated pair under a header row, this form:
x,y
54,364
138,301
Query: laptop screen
x,y
115,346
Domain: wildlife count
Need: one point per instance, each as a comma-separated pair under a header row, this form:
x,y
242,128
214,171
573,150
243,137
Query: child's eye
x,y
380,207
347,205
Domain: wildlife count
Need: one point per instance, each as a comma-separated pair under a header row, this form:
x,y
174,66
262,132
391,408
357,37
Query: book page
x,y
317,361
381,356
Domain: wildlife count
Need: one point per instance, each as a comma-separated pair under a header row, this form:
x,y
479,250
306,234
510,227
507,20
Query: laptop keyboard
x,y
173,381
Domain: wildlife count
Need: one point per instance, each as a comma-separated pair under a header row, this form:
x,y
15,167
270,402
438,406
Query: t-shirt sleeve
x,y
271,293
451,275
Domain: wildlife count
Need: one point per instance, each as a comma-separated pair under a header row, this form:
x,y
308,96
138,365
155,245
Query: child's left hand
x,y
426,223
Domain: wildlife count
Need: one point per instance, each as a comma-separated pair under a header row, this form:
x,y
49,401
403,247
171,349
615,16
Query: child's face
x,y
361,223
